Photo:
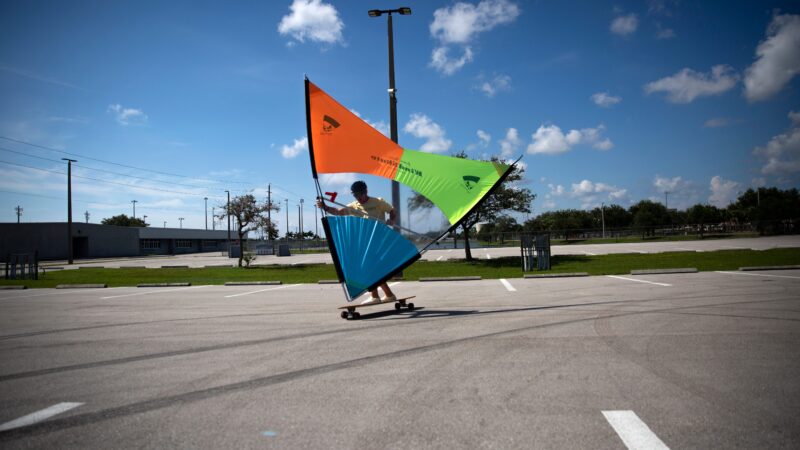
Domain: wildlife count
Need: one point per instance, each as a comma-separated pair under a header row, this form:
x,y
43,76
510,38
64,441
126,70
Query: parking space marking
x,y
508,285
155,291
633,432
440,258
757,274
262,290
488,256
589,253
638,281
39,416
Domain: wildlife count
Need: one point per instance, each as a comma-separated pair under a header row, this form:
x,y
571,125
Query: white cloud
x,y
299,145
127,116
717,122
510,143
556,190
485,138
624,25
312,20
782,152
592,193
550,140
423,127
605,99
663,184
687,85
665,33
380,125
337,179
723,191
499,83
777,59
461,23
444,64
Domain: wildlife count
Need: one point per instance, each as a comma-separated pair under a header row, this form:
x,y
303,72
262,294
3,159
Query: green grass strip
x,y
508,267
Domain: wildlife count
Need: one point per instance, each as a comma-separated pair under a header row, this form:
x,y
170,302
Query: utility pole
x,y
86,214
69,207
206,200
287,220
18,209
181,219
165,224
134,207
213,218
144,219
228,213
299,224
269,211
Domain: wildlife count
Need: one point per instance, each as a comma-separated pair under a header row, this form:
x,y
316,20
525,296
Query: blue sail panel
x,y
366,252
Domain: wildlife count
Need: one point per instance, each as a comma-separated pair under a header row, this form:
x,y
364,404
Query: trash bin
x,y
283,250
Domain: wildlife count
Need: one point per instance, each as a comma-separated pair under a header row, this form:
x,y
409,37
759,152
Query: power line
x,y
113,163
93,202
109,182
107,171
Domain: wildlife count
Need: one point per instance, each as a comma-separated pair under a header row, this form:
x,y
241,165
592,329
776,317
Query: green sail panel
x,y
454,185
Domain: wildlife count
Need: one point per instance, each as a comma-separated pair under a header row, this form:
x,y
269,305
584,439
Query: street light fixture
x,y
392,97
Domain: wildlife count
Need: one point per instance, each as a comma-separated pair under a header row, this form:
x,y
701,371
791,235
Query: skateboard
x,y
351,312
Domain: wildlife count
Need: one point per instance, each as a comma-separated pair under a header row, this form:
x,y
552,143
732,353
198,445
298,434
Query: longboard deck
x,y
355,305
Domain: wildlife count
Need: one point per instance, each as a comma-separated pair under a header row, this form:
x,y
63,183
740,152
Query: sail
x,y
340,141
367,252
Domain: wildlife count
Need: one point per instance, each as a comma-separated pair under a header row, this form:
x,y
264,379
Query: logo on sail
x,y
329,124
470,181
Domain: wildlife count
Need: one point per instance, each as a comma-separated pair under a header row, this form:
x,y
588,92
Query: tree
x,y
615,217
249,216
647,215
124,221
506,197
767,208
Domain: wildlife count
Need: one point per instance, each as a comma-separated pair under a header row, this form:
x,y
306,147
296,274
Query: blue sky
x,y
608,102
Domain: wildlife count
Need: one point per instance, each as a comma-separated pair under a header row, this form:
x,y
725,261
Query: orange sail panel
x,y
342,142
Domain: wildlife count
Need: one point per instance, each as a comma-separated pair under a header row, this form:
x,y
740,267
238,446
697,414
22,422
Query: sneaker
x,y
371,300
389,298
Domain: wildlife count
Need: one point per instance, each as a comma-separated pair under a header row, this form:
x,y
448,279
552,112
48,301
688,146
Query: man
x,y
373,208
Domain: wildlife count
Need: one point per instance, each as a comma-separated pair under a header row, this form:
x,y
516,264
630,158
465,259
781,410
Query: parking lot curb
x,y
663,271
162,284
770,268
556,275
252,283
132,267
217,265
81,286
469,278
328,282
16,286
174,267
92,267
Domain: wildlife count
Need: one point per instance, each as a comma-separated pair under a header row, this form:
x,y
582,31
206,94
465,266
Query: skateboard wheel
x,y
410,306
344,314
356,315
397,306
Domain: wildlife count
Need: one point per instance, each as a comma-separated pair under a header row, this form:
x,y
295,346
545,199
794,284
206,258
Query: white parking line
x,y
440,258
508,285
758,274
633,432
262,290
638,281
38,416
589,253
155,291
488,256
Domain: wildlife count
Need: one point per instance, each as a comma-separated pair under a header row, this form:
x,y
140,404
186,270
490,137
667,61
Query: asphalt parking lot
x,y
704,360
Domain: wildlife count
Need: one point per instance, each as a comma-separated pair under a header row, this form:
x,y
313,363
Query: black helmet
x,y
359,187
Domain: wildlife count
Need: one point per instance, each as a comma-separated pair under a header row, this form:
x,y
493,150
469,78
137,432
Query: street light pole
x,y
392,98
181,219
134,207
228,213
206,200
69,207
